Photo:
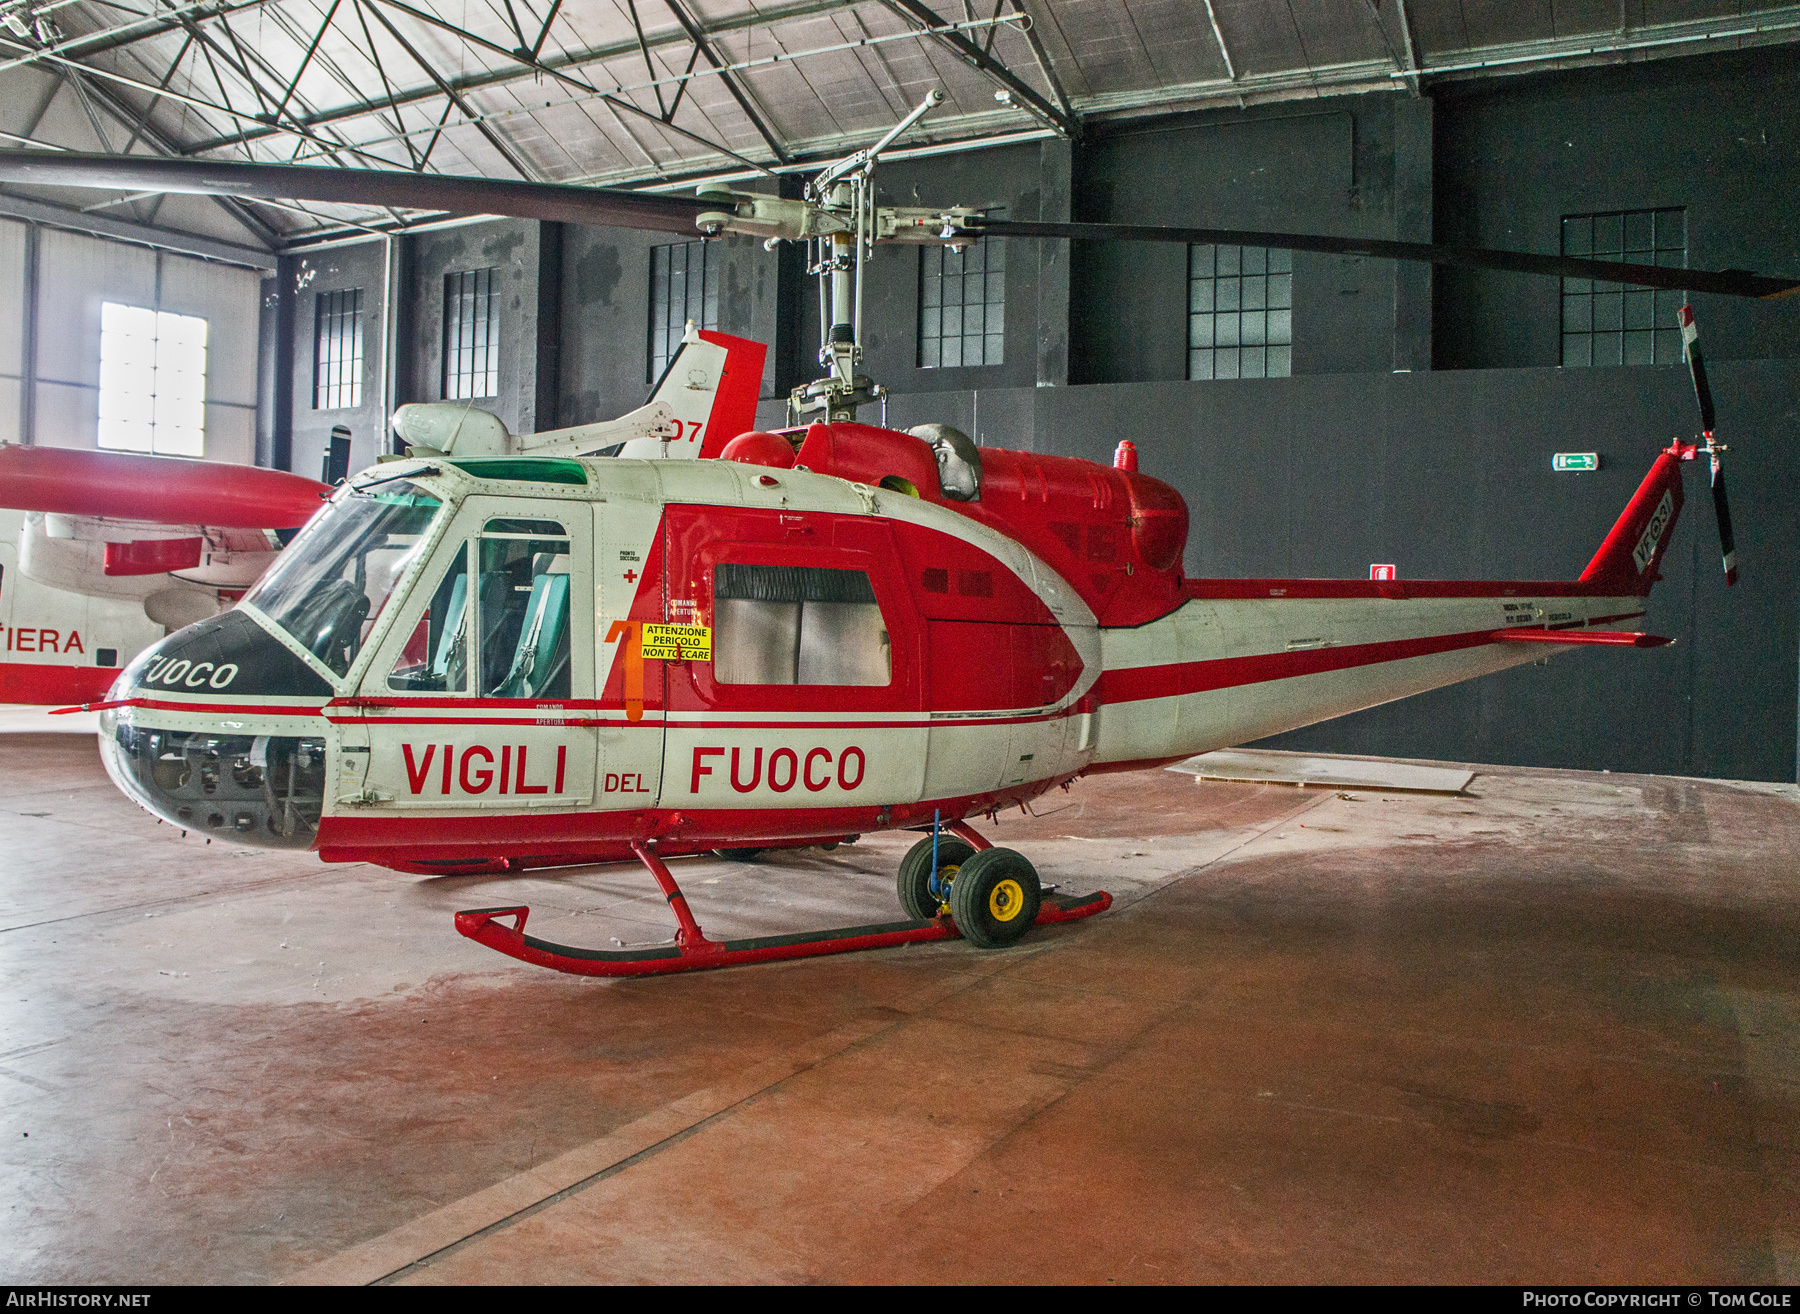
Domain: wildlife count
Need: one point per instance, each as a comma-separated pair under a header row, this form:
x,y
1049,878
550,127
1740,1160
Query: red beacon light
x,y
1125,457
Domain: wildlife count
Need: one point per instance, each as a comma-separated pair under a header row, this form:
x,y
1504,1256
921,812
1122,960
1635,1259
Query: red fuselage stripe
x,y
1288,590
226,709
1138,683
47,682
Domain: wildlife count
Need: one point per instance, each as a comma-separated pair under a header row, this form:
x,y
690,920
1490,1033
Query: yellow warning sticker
x,y
673,643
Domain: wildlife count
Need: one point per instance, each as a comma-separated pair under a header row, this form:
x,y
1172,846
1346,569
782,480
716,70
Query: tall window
x,y
1240,312
337,350
684,285
471,335
152,381
962,303
1608,324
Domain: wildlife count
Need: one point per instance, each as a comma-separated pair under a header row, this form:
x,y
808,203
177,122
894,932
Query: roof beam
x,y
1773,24
493,138
143,29
520,57
1412,59
142,128
915,11
740,94
165,239
125,34
311,50
1040,54
164,145
695,137
504,77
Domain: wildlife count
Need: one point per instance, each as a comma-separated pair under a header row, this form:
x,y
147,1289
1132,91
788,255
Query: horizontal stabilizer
x,y
154,556
1607,638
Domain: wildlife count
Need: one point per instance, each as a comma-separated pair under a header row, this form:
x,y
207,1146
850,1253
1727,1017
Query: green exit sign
x,y
1563,461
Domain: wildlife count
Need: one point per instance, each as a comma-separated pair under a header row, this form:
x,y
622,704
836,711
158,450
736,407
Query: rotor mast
x,y
840,222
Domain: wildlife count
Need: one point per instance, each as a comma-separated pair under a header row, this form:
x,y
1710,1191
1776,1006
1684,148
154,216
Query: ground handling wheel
x,y
995,898
914,884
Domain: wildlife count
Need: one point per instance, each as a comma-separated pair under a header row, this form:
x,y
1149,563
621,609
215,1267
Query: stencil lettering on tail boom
x,y
1653,532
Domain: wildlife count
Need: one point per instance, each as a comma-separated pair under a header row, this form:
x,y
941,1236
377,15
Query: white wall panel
x,y
67,415
231,434
9,410
228,299
76,274
12,298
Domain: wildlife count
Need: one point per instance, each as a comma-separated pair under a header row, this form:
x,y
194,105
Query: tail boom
x,y
1243,659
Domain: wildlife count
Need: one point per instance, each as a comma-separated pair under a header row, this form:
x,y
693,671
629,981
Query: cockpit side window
x,y
500,614
329,587
798,625
436,657
522,609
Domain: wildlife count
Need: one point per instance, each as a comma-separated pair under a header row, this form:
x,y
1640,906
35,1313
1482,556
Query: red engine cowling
x,y
1116,535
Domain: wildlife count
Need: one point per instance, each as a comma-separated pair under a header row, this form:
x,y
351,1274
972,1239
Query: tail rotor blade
x,y
1690,346
1721,507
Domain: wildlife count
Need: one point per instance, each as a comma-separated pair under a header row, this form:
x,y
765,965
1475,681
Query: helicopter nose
x,y
186,747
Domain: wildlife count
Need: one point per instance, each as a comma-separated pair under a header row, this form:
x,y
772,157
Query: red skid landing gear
x,y
692,951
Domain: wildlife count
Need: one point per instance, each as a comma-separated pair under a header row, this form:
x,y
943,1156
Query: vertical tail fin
x,y
709,389
706,397
1627,561
739,386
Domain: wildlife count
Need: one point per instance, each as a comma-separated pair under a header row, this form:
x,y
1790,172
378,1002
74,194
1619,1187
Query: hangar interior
x,y
1357,1036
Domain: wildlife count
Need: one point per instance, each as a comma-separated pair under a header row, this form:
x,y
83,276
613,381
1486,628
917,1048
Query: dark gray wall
x,y
1327,168
1719,135
1030,182
511,247
605,314
275,371
303,278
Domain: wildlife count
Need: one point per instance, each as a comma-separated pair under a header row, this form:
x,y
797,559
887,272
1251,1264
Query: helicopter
x,y
481,663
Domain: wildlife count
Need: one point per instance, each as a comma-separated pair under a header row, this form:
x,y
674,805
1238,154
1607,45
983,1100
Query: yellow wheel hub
x,y
945,875
1006,900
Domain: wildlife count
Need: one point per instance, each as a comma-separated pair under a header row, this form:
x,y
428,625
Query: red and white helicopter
x,y
476,662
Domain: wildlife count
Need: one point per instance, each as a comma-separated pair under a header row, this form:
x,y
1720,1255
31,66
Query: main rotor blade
x,y
1727,282
417,191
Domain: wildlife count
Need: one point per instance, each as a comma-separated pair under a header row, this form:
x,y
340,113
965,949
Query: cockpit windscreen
x,y
329,587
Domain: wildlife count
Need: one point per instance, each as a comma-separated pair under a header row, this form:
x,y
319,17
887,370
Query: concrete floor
x,y
1548,1032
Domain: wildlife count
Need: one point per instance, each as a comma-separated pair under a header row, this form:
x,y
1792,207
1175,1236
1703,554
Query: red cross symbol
x,y
630,576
